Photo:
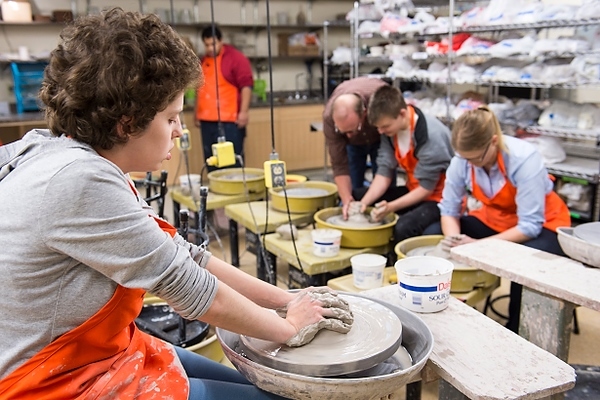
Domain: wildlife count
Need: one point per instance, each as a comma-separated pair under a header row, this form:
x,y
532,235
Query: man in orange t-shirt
x,y
227,84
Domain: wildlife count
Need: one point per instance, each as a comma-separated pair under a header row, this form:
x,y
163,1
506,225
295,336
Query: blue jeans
x,y
210,380
210,134
357,161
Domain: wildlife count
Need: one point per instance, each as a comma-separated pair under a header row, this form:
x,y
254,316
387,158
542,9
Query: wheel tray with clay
x,y
392,340
358,231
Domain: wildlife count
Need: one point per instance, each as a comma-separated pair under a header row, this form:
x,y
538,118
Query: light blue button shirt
x,y
526,172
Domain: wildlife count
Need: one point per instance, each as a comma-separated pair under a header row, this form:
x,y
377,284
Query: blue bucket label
x,y
422,289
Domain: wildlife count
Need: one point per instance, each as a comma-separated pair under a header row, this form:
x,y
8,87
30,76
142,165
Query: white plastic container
x,y
367,270
326,242
184,183
424,283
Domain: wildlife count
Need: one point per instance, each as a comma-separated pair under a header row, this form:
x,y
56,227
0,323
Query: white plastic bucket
x,y
367,270
184,183
424,283
326,242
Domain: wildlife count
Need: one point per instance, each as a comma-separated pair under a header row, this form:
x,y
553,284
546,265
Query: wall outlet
x,y
274,173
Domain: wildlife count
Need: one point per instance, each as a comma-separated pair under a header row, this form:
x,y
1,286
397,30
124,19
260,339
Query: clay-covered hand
x,y
335,311
379,212
350,208
449,242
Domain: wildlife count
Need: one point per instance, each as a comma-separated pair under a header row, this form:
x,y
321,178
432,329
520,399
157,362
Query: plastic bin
x,y
27,78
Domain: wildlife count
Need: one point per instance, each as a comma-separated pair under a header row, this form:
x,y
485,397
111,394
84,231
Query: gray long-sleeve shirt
x,y
433,151
72,230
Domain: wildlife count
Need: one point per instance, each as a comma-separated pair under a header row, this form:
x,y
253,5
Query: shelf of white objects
x,y
575,167
567,133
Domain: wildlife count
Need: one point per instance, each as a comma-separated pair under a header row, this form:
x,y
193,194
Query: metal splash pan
x,y
375,336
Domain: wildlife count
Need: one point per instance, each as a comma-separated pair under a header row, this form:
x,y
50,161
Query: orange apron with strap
x,y
106,357
206,104
500,211
409,164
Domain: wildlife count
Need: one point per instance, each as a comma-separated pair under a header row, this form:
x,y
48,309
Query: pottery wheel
x,y
239,177
589,232
375,336
353,221
306,192
431,251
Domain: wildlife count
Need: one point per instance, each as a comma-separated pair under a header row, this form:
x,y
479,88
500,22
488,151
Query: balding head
x,y
348,113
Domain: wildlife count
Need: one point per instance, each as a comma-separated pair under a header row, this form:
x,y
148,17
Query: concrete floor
x,y
584,349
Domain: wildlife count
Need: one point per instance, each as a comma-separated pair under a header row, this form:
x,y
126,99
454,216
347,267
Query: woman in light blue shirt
x,y
508,177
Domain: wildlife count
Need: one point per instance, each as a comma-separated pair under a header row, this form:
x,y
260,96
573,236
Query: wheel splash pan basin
x,y
231,180
416,338
464,277
358,238
304,197
160,320
578,249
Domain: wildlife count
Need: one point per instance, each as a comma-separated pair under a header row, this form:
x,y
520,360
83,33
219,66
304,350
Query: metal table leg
x,y
176,210
234,243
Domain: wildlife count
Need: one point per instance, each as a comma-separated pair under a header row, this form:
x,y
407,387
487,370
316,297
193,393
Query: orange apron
x,y
500,212
107,357
206,104
409,164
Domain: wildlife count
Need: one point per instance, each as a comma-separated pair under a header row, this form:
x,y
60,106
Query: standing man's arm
x,y
242,118
336,145
244,81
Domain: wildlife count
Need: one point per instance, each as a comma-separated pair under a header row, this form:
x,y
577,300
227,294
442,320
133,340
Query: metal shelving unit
x,y
582,146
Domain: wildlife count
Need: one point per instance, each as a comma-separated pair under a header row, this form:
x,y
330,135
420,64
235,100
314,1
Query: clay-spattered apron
x,y
106,357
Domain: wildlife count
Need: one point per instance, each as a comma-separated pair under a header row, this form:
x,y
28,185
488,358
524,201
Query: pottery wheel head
x,y
353,221
375,336
239,177
306,192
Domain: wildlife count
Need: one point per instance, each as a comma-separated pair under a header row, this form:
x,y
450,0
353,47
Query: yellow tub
x,y
464,277
358,238
304,204
218,181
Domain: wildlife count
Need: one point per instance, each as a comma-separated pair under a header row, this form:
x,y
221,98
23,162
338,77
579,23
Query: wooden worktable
x,y
311,264
258,219
552,286
213,201
346,284
477,358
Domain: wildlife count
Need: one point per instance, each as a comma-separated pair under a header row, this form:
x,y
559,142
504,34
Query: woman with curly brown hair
x,y
80,248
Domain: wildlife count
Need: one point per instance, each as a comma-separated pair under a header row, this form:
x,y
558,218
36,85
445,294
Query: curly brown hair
x,y
115,68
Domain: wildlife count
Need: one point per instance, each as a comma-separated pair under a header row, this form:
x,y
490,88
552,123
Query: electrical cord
x,y
273,150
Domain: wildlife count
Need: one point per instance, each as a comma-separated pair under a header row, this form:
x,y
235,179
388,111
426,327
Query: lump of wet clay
x,y
340,320
285,232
